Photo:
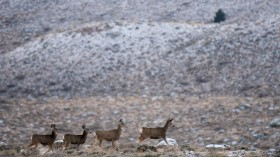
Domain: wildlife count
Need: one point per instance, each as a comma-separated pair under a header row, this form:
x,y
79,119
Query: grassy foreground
x,y
240,122
136,150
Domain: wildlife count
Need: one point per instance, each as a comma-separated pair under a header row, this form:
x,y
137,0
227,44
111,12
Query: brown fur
x,y
44,139
110,135
155,133
76,139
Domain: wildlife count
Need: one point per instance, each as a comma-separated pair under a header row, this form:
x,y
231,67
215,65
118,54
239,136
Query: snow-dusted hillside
x,y
168,49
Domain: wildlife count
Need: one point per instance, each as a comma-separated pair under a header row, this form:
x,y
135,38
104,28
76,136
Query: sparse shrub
x,y
20,77
188,148
144,148
87,30
47,29
220,16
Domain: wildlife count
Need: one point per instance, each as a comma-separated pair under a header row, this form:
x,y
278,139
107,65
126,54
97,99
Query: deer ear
x,y
171,119
120,120
83,126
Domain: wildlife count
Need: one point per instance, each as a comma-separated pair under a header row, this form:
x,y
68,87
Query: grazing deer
x,y
44,139
155,133
76,139
110,135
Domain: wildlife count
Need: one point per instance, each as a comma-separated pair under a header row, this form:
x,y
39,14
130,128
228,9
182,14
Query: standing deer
x,y
155,133
76,139
44,139
110,135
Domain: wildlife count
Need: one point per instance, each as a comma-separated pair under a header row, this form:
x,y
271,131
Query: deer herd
x,y
99,135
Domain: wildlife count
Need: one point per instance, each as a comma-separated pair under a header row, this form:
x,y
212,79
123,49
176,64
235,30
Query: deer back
x,y
111,135
77,139
108,135
153,132
45,139
74,139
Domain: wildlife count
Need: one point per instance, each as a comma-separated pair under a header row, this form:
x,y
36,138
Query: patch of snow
x,y
170,141
59,141
221,146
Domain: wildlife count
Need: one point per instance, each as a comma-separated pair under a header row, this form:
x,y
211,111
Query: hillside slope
x,y
147,58
133,50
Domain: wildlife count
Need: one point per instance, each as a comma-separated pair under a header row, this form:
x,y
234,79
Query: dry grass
x,y
7,153
198,122
194,118
132,150
216,155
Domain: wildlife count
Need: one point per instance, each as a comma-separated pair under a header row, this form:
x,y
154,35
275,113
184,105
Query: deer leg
x,y
117,144
77,147
48,149
51,146
94,141
30,145
61,147
64,146
142,138
113,144
165,140
100,143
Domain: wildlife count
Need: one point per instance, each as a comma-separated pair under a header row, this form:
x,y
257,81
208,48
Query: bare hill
x,y
141,54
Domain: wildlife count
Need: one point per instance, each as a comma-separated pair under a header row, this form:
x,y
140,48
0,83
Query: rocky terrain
x,y
244,124
94,62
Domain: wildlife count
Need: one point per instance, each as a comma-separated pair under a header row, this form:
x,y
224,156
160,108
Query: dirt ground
x,y
235,121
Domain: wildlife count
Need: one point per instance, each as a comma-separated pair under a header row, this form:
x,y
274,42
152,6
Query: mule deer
x,y
76,139
110,135
155,133
44,139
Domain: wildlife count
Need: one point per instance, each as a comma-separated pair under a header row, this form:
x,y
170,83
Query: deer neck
x,y
85,134
165,126
54,134
119,129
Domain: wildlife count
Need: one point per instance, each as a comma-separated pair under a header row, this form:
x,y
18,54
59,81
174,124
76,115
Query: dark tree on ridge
x,y
220,16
